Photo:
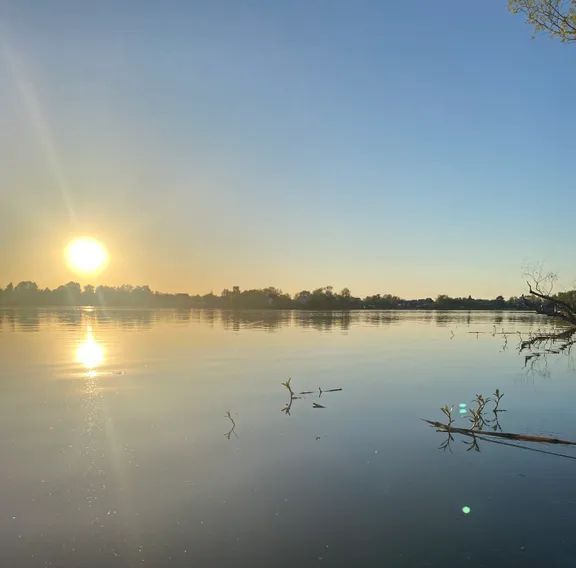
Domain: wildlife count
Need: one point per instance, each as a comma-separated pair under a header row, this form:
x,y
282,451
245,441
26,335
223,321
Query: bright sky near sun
x,y
408,147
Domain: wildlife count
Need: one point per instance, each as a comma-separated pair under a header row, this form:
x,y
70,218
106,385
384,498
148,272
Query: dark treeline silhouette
x,y
28,293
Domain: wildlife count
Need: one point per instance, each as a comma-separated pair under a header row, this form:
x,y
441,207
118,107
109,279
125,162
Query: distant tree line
x,y
28,293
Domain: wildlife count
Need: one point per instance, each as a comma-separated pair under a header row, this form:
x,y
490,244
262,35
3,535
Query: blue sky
x,y
408,147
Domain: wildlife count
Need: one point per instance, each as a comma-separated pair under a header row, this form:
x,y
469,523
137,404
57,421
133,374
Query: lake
x,y
165,438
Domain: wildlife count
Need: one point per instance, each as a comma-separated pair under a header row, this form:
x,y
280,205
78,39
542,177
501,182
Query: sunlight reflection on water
x,y
90,353
120,442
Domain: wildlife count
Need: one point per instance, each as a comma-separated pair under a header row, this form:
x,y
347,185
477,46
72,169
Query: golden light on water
x,y
90,353
86,255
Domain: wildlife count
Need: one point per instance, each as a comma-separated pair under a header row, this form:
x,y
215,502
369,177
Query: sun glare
x,y
90,353
86,255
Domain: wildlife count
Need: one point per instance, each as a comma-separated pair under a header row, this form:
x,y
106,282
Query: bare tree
x,y
543,300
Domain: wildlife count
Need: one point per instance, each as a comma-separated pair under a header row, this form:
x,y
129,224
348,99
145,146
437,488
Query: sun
x,y
86,255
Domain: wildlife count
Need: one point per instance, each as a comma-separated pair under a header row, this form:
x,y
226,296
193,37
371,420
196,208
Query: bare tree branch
x,y
557,17
554,307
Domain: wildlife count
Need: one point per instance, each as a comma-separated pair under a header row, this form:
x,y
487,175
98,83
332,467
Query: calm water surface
x,y
117,448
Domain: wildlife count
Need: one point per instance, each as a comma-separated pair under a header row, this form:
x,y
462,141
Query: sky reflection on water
x,y
163,436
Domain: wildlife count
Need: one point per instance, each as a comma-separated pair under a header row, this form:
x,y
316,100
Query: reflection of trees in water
x,y
124,319
33,319
205,317
499,319
538,346
534,336
378,319
70,318
267,320
323,321
272,320
27,320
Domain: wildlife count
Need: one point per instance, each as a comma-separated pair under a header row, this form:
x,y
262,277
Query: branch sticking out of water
x,y
293,396
440,427
287,385
447,410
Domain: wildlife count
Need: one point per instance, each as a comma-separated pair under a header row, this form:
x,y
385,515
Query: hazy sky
x,y
408,147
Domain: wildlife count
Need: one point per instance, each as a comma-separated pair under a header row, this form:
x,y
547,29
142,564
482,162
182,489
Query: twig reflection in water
x,y
446,445
480,421
540,344
233,429
293,396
